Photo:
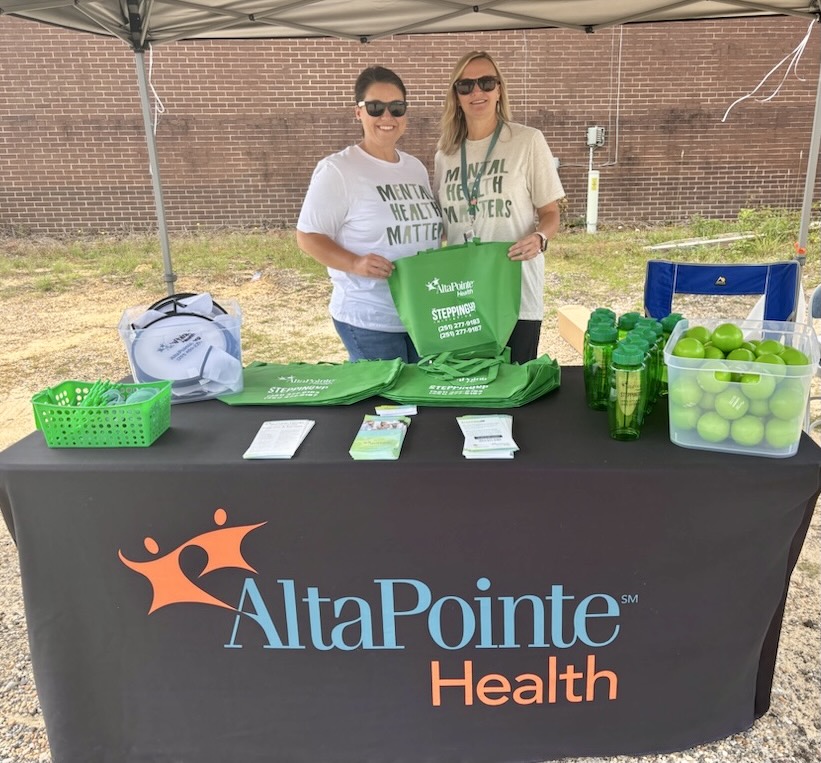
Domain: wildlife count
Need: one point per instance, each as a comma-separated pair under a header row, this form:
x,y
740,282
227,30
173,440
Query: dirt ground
x,y
73,335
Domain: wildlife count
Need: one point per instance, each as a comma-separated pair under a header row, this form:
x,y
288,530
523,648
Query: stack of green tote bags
x,y
460,305
314,383
482,382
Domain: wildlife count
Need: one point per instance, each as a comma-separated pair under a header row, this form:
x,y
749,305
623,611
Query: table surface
x,y
679,559
556,432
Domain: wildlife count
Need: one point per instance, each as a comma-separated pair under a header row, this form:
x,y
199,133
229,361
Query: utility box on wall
x,y
595,136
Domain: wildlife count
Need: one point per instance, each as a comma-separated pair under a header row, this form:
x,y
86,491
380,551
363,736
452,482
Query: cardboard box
x,y
572,325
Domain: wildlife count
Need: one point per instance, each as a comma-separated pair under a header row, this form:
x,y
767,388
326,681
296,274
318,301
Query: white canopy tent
x,y
142,23
160,21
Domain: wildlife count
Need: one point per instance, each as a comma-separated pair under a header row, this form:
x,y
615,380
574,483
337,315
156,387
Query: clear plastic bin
x,y
200,354
763,406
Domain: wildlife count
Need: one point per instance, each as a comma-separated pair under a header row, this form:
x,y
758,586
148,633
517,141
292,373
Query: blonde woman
x,y
496,180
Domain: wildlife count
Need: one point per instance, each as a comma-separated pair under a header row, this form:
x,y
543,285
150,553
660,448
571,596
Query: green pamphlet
x,y
379,438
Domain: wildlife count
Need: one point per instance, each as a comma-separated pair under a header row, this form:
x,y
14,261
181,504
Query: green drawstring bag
x,y
314,383
443,380
459,299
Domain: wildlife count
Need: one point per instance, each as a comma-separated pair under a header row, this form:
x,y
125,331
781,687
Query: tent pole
x,y
809,180
159,203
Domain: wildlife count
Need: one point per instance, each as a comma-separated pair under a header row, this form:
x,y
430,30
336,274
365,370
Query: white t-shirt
x,y
367,205
520,177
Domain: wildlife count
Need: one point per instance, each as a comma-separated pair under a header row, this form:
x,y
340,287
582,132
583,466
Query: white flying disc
x,y
175,347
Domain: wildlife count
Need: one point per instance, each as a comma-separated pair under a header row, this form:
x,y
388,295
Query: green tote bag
x,y
478,382
459,299
314,383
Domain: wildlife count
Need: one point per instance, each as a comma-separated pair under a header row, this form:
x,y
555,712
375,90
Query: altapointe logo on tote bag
x,y
459,299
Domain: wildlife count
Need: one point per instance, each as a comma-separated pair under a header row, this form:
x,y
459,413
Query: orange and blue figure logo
x,y
170,584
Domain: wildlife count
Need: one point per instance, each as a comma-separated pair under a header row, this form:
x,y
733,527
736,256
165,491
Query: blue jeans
x,y
364,344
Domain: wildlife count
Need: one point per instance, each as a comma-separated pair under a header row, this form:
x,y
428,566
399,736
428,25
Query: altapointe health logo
x,y
171,585
382,617
460,288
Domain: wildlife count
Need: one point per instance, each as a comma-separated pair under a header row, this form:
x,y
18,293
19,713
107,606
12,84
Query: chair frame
x,y
778,283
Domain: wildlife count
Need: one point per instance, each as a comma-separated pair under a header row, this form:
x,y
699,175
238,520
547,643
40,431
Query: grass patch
x,y
48,264
602,265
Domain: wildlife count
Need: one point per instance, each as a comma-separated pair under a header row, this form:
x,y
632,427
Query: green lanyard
x,y
472,197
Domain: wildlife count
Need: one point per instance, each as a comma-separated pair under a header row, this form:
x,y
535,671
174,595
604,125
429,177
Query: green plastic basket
x,y
57,413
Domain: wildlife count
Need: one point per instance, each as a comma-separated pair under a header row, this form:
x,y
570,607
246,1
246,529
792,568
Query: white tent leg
x,y
159,203
809,180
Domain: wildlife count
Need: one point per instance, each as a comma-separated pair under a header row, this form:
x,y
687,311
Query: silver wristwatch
x,y
544,241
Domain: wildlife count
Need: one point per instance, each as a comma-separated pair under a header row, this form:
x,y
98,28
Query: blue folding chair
x,y
777,282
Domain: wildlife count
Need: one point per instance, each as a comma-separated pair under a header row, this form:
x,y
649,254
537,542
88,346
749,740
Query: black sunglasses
x,y
465,86
377,108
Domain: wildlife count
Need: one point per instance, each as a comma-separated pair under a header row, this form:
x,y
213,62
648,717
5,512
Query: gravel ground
x,y
788,733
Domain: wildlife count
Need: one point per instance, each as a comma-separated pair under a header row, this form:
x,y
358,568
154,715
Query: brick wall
x,y
245,121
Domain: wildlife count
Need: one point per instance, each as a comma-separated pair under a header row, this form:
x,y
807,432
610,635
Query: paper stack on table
x,y
379,438
488,436
278,439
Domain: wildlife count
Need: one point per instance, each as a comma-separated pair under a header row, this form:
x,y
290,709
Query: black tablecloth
x,y
588,597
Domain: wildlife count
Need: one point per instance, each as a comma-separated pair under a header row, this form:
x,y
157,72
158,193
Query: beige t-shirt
x,y
520,176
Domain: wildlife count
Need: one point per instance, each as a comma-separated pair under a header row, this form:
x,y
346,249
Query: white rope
x,y
159,108
793,57
527,64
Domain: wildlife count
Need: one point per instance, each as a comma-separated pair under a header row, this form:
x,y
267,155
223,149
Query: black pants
x,y
524,341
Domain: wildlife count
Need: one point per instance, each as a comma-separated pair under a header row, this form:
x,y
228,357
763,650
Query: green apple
x,y
747,356
683,418
782,433
702,333
727,337
684,391
767,346
731,404
788,400
793,357
711,352
713,380
757,386
759,407
688,347
747,431
712,427
777,365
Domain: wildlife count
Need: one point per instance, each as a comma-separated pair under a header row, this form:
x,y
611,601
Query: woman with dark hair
x,y
496,180
366,206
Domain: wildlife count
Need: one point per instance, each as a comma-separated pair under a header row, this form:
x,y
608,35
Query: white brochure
x,y
488,436
278,439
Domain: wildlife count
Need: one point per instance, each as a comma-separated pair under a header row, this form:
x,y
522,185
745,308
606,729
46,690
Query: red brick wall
x,y
246,121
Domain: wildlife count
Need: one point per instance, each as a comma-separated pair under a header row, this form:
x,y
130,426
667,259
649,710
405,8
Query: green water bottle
x,y
626,401
604,312
626,323
597,358
636,338
601,315
655,340
668,325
